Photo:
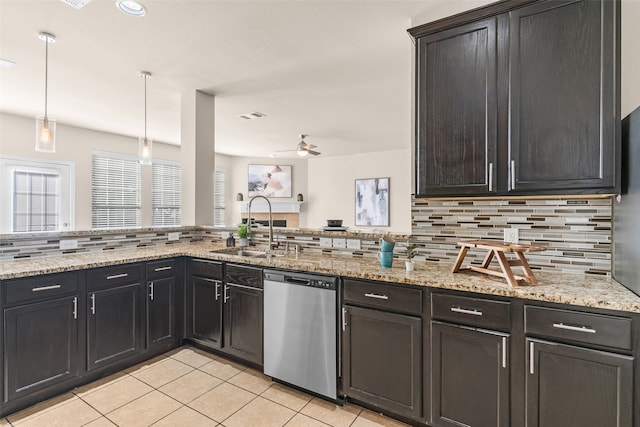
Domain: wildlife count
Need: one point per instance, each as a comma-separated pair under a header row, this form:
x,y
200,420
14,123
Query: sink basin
x,y
249,253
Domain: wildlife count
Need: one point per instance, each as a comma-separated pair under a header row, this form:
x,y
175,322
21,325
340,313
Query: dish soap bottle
x,y
231,242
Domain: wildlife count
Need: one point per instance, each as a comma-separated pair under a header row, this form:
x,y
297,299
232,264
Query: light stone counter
x,y
588,291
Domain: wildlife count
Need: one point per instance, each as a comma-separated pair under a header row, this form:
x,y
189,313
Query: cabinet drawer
x,y
161,268
114,275
597,329
478,312
380,295
39,287
243,275
206,268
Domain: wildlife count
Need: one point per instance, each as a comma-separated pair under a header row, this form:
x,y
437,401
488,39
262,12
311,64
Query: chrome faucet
x,y
272,244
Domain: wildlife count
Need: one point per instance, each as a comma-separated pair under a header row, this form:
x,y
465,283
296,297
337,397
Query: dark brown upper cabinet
x,y
519,98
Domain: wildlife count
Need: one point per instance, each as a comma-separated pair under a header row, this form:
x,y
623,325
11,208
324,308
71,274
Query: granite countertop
x,y
582,290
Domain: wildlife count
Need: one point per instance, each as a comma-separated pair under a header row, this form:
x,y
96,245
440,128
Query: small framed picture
x,y
372,202
269,180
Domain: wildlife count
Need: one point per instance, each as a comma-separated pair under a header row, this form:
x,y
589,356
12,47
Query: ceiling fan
x,y
303,148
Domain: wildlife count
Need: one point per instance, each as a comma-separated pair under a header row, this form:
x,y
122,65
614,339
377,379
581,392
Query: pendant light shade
x,y
45,126
145,145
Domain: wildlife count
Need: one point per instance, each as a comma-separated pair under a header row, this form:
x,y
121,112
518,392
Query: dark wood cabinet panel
x,y
243,320
114,325
563,109
382,363
575,387
161,318
40,346
205,311
470,376
457,113
524,101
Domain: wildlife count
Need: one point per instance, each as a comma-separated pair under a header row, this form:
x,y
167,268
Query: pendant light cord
x,y
46,74
145,108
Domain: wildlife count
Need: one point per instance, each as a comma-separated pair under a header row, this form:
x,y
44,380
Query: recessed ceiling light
x,y
5,63
131,7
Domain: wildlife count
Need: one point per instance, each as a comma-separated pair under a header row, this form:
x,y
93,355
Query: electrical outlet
x,y
511,235
326,242
353,244
172,237
339,243
69,244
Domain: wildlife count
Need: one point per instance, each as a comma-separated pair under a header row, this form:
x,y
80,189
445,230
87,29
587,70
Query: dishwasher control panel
x,y
301,279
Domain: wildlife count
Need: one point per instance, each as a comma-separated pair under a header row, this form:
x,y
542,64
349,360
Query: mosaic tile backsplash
x,y
576,230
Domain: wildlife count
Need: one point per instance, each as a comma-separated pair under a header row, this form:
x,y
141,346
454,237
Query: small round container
x,y
334,223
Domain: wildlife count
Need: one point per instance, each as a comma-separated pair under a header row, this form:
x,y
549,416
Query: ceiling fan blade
x,y
314,153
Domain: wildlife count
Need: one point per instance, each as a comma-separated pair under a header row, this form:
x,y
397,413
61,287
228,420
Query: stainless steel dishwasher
x,y
300,330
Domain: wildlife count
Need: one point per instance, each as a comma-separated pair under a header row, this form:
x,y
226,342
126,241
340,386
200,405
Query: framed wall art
x,y
372,202
269,180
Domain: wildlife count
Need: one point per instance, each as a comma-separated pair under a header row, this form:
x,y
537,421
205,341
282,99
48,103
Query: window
x,y
39,195
218,197
115,191
166,197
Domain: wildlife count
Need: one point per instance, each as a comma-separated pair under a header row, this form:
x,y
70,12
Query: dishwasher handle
x,y
297,281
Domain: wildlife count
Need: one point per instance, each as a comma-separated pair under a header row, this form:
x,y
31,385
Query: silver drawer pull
x,y
465,311
574,328
163,268
117,276
378,296
46,288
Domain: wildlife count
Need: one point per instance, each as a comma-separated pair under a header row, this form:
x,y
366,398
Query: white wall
x,y
332,187
630,69
74,144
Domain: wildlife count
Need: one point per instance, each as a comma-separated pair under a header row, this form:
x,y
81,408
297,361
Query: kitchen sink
x,y
249,253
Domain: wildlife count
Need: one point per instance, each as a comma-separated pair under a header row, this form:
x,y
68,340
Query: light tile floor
x,y
190,387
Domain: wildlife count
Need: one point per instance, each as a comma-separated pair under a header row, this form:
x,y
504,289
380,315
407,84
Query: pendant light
x,y
46,127
145,145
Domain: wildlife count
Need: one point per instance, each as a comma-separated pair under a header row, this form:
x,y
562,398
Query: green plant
x,y
243,231
410,250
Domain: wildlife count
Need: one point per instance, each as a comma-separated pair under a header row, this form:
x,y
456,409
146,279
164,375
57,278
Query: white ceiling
x,y
338,70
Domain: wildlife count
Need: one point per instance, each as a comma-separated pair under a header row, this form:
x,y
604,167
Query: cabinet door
x,y
243,322
457,113
206,311
382,360
41,345
113,325
576,387
564,117
161,321
470,376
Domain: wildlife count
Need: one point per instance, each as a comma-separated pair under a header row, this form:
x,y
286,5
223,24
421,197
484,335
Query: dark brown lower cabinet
x,y
382,363
41,345
470,376
572,386
205,299
243,322
161,318
113,325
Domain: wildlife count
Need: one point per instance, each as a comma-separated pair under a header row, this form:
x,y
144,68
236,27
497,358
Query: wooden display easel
x,y
498,249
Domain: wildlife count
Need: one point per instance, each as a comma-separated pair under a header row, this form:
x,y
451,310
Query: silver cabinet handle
x,y
344,319
491,176
151,291
574,328
473,312
217,289
226,297
504,352
531,357
378,296
117,276
163,268
46,288
93,303
513,174
75,307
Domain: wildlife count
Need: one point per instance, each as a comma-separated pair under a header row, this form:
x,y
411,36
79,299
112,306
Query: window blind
x,y
115,191
166,198
36,201
218,197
